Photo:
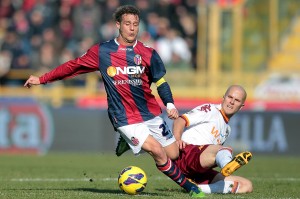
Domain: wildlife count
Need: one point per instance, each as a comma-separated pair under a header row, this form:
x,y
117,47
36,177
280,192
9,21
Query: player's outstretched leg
x,y
238,161
122,146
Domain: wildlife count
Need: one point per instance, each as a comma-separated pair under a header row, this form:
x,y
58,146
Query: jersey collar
x,y
224,116
119,44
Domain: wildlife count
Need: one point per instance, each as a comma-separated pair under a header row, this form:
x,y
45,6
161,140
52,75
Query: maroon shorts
x,y
189,163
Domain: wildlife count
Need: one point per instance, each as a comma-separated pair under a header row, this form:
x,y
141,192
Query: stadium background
x,y
206,46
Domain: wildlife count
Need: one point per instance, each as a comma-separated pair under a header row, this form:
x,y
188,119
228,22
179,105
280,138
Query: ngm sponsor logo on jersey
x,y
25,126
134,71
126,70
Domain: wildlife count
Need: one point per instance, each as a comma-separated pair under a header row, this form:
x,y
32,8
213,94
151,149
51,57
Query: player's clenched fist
x,y
32,80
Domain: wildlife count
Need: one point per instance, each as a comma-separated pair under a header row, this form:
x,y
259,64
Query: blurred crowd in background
x,y
41,34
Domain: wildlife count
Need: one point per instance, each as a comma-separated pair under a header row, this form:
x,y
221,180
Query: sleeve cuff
x,y
170,106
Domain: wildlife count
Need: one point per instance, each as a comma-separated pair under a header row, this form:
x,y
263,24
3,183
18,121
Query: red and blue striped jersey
x,y
127,73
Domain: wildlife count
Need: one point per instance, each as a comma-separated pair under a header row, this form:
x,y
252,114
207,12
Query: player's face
x,y
128,29
233,101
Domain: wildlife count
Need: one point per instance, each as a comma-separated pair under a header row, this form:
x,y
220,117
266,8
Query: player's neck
x,y
123,42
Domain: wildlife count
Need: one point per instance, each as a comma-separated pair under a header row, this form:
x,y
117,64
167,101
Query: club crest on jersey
x,y
137,59
205,108
126,70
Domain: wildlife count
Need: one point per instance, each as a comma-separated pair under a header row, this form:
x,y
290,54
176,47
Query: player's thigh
x,y
151,145
154,148
208,156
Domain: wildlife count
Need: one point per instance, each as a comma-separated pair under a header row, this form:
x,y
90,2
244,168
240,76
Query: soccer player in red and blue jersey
x,y
128,68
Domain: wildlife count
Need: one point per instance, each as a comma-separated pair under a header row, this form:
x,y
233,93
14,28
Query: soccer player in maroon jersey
x,y
128,68
200,134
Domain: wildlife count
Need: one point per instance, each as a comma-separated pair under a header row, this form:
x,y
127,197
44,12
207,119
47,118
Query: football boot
x,y
238,161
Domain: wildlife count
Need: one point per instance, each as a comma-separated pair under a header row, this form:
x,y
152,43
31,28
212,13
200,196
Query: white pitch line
x,y
275,179
59,179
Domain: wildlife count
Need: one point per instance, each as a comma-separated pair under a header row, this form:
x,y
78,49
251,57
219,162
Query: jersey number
x,y
165,132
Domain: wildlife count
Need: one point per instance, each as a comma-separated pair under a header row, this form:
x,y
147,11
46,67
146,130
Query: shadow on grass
x,y
111,191
92,190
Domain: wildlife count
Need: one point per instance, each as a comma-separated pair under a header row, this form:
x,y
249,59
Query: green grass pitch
x,y
69,175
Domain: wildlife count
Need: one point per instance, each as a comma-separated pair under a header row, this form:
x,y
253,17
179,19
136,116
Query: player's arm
x,y
84,64
178,127
158,71
164,92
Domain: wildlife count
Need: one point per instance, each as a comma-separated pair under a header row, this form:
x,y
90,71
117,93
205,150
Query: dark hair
x,y
127,9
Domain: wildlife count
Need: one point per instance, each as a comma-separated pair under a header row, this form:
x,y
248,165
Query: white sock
x,y
224,155
220,187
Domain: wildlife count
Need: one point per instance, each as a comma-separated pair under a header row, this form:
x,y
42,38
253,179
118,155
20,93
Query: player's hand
x,y
172,113
32,80
181,144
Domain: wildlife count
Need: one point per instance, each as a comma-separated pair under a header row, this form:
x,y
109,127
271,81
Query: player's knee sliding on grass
x,y
222,186
227,185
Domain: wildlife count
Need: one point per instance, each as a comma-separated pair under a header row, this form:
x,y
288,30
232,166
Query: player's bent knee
x,y
249,187
246,186
158,153
173,155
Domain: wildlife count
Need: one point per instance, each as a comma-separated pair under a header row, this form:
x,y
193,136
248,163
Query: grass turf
x,y
69,175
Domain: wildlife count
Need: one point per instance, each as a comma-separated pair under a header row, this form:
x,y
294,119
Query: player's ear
x,y
242,106
118,25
